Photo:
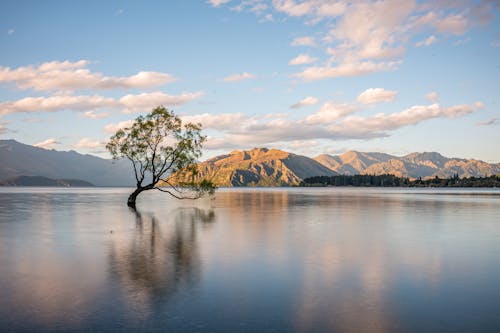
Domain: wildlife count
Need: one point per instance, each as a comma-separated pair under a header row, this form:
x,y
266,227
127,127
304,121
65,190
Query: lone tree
x,y
163,152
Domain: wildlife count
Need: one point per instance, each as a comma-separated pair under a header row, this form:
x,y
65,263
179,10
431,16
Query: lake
x,y
250,260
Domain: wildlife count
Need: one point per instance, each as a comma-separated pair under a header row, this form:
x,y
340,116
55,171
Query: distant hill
x,y
17,159
427,164
44,181
352,162
256,167
261,167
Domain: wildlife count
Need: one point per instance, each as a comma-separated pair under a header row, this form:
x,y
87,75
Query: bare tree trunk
x,y
132,197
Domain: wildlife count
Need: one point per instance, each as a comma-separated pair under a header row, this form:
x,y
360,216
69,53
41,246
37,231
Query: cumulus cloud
x,y
330,112
333,121
305,102
302,59
427,42
87,143
304,41
374,35
217,3
112,128
89,103
47,144
67,75
456,24
381,123
432,97
144,101
293,8
345,70
56,103
94,115
239,77
218,121
377,95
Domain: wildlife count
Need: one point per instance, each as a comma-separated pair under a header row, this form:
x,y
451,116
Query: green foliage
x,y
158,146
393,181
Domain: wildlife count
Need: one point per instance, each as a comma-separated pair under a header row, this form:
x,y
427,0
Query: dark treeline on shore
x,y
393,181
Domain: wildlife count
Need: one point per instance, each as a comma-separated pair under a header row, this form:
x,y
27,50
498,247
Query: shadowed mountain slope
x,y
17,159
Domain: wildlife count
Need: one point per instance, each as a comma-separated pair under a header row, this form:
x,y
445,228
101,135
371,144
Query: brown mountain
x,y
427,164
18,159
351,162
261,167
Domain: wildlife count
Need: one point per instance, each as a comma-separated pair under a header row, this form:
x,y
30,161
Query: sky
x,y
305,76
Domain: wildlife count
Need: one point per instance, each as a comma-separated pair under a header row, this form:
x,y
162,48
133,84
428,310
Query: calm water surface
x,y
253,260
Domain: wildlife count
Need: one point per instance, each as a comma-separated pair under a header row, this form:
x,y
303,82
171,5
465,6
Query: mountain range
x,y
18,159
44,181
414,165
261,167
255,167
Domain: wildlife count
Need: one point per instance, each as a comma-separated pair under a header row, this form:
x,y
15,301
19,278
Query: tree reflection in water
x,y
158,258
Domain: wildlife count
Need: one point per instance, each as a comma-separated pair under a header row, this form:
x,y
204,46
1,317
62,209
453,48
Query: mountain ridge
x,y
260,167
19,159
254,167
413,165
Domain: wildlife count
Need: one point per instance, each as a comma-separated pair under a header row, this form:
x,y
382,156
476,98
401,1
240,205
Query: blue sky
x,y
310,76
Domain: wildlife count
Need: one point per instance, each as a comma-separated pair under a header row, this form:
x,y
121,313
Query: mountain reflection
x,y
158,258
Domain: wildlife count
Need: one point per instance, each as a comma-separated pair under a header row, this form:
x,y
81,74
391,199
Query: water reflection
x,y
303,260
158,258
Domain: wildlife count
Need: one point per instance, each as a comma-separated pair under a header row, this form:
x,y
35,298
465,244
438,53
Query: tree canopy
x,y
162,150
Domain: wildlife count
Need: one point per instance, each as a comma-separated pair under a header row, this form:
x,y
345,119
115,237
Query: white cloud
x,y
345,70
215,143
380,123
374,35
11,32
432,97
217,3
47,144
87,143
427,42
239,77
455,24
304,41
67,75
94,115
293,8
112,128
333,121
216,121
377,95
302,59
145,101
305,102
330,112
128,103
56,103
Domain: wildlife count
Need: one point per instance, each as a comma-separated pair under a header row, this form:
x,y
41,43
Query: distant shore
x,y
394,181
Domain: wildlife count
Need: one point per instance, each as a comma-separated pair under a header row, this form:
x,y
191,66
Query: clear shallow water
x,y
253,260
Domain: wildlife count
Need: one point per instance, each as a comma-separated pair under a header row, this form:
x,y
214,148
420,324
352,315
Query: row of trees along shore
x,y
393,181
